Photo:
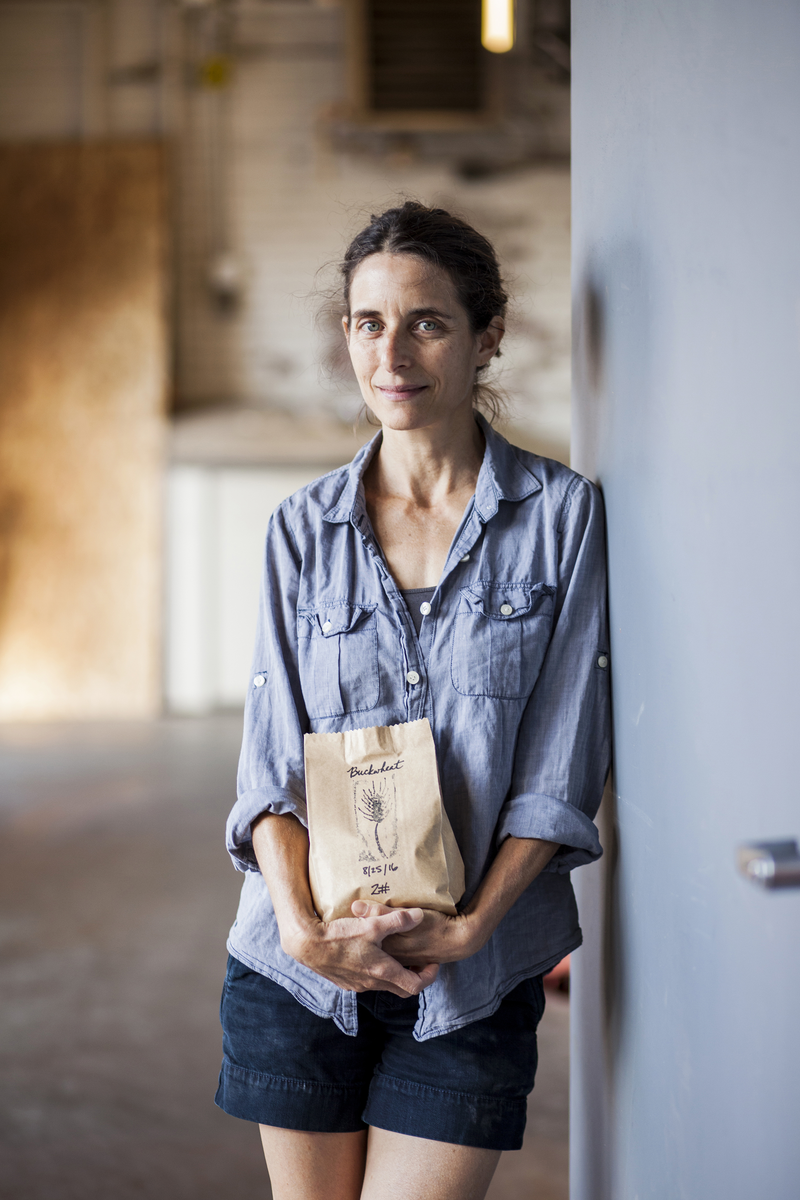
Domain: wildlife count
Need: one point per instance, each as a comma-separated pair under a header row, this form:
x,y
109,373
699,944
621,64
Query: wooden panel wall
x,y
83,356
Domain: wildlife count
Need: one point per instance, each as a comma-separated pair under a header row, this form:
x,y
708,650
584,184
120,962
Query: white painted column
x,y
216,521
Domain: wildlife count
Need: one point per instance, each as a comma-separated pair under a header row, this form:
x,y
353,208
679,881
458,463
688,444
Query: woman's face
x,y
411,344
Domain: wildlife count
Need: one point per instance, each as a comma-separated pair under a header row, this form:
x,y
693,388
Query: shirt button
x,y
425,608
506,610
260,680
465,558
412,677
326,628
602,661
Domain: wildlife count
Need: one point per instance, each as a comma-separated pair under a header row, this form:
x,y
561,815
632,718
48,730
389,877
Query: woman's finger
x,y
426,974
389,975
364,908
397,920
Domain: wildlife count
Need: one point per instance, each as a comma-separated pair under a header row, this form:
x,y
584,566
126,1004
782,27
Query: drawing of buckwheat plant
x,y
377,805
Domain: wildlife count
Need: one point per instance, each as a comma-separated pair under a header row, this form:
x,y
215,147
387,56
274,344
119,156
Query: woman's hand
x,y
349,952
436,938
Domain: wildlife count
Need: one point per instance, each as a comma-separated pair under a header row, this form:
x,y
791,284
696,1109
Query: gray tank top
x,y
414,598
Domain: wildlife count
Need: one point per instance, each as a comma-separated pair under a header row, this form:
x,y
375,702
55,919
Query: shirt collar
x,y
502,477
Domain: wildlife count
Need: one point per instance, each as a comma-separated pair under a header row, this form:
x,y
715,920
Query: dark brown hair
x,y
445,241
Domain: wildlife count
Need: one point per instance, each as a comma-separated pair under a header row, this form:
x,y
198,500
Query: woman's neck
x,y
425,466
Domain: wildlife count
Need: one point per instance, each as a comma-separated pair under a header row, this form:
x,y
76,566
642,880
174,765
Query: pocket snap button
x,y
326,628
506,610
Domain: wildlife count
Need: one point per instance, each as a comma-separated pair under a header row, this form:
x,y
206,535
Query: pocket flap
x,y
508,601
333,619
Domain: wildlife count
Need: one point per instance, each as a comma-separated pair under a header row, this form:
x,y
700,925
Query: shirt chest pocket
x,y
338,659
501,634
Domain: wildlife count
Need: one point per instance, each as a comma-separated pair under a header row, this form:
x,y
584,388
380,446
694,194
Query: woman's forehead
x,y
400,279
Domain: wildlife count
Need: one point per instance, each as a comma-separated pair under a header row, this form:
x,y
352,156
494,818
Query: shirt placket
x,y
412,668
463,549
462,553
348,1012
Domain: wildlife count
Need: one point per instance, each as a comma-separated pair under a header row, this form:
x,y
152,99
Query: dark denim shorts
x,y
287,1067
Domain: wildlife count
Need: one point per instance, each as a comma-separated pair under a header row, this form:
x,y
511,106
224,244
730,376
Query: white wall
x,y
686,161
216,521
41,43
86,68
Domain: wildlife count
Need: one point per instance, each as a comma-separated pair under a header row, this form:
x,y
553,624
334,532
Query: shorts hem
x,y
290,1103
441,1115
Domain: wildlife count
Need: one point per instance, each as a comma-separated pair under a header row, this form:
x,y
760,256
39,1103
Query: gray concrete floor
x,y
115,898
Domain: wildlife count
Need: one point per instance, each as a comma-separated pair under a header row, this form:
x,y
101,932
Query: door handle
x,y
772,864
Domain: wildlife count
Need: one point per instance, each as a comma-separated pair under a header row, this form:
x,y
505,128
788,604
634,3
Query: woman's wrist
x,y
280,843
299,930
473,932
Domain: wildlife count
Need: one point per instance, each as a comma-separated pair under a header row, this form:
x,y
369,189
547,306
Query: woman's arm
x,y
438,938
347,951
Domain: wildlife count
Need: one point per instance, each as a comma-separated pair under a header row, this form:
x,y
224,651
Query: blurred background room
x,y
178,181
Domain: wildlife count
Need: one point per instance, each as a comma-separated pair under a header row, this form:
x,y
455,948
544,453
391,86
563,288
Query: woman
x,y
389,1054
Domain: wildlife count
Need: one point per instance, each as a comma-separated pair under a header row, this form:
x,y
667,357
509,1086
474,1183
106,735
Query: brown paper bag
x,y
377,826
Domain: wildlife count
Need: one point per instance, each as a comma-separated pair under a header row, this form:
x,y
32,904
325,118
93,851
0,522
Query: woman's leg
x,y
331,1166
400,1167
314,1166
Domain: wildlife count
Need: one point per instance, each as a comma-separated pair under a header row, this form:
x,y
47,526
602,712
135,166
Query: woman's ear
x,y
489,341
346,328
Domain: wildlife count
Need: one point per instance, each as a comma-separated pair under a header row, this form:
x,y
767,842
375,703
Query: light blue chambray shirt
x,y
510,668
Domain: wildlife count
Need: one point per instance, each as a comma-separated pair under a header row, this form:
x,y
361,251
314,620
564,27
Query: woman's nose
x,y
396,351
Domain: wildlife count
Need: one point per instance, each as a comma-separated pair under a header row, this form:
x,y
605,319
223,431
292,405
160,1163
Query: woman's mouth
x,y
404,391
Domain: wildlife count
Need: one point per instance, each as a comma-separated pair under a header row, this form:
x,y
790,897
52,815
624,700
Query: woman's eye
x,y
371,326
428,326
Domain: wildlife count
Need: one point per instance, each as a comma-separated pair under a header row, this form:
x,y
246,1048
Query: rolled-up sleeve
x,y
271,774
564,744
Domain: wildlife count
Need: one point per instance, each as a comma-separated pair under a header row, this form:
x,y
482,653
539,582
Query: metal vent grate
x,y
425,55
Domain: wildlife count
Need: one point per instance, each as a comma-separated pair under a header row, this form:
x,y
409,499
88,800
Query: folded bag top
x,y
377,827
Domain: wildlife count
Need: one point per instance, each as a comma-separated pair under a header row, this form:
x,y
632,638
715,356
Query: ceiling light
x,y
497,25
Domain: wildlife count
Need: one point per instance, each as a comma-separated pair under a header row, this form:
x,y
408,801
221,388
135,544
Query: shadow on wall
x,y
611,322
616,418
622,398
615,409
